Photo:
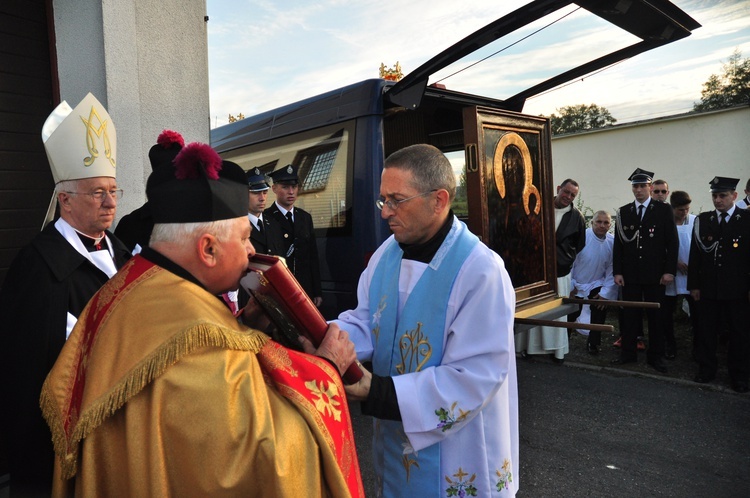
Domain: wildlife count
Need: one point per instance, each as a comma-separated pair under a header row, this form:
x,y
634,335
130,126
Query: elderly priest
x,y
161,392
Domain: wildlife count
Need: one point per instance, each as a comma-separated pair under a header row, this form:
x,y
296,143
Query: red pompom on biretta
x,y
194,158
169,137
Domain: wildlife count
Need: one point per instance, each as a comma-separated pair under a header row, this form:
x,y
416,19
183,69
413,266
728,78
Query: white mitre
x,y
80,143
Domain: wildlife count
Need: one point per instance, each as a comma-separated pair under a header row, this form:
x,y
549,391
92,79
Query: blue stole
x,y
409,343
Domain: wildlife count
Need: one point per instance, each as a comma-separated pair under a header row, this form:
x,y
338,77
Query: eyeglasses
x,y
100,195
393,205
660,191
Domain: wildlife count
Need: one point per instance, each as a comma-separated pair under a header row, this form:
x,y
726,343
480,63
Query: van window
x,y
458,161
325,158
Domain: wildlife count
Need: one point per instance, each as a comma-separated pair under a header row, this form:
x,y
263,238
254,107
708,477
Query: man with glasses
x,y
435,318
644,261
660,190
51,280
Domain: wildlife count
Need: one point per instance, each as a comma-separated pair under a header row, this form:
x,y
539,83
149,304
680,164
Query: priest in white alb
x,y
435,317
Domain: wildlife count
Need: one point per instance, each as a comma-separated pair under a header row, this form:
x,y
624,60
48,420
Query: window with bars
x,y
325,160
317,162
319,171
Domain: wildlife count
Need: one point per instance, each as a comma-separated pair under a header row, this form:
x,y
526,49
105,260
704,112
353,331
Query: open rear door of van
x,y
653,22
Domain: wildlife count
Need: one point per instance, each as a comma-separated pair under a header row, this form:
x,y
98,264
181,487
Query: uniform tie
x,y
289,217
260,226
723,219
640,212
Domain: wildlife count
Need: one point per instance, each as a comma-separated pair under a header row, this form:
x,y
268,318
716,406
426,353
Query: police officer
x,y
295,238
719,281
644,261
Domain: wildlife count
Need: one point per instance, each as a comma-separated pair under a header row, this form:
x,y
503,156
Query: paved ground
x,y
610,433
588,430
594,431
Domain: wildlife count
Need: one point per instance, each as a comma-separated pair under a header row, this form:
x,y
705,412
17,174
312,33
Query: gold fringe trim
x,y
151,367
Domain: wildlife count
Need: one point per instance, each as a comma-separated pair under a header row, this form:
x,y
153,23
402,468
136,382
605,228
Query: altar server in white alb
x,y
591,276
435,318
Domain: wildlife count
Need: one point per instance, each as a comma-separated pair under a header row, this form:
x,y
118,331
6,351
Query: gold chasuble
x,y
160,392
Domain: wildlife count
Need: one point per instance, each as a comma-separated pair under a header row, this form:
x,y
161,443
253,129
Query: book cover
x,y
287,305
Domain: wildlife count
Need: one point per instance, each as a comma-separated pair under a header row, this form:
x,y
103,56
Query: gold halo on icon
x,y
512,138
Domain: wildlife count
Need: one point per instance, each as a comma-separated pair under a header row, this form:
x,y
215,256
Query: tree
x,y
579,118
731,88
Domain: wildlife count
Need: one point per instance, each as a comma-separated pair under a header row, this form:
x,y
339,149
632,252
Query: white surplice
x,y
591,269
477,373
684,234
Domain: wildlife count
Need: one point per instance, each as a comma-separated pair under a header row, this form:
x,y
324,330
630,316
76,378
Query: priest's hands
x,y
360,390
336,347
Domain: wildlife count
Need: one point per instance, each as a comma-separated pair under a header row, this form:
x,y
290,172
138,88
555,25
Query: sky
x,y
265,54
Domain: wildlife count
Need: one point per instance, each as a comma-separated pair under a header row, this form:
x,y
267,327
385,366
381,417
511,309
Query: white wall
x,y
686,150
147,62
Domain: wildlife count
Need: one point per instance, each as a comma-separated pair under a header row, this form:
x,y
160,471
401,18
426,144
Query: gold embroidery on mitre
x,y
326,399
415,350
101,133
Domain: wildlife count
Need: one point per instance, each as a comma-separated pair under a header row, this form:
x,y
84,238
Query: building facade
x,y
145,60
686,150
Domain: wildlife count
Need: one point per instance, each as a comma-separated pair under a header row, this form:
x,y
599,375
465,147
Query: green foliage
x,y
580,117
586,211
460,202
730,88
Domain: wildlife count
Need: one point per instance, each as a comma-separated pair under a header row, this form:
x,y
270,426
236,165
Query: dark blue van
x,y
339,140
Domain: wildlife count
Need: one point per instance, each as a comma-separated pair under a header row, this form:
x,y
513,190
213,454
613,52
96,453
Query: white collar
x,y
284,211
255,220
106,264
730,212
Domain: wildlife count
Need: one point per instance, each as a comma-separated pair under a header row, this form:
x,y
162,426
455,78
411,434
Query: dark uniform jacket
x,y
719,263
136,227
47,279
570,238
652,250
303,260
262,241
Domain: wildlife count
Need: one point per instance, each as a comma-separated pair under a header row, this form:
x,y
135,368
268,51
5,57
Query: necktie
x,y
723,219
640,212
260,226
289,217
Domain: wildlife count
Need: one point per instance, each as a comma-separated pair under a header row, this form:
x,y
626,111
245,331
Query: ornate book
x,y
287,305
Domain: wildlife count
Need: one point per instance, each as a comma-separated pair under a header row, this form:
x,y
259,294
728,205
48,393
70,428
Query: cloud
x,y
264,54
